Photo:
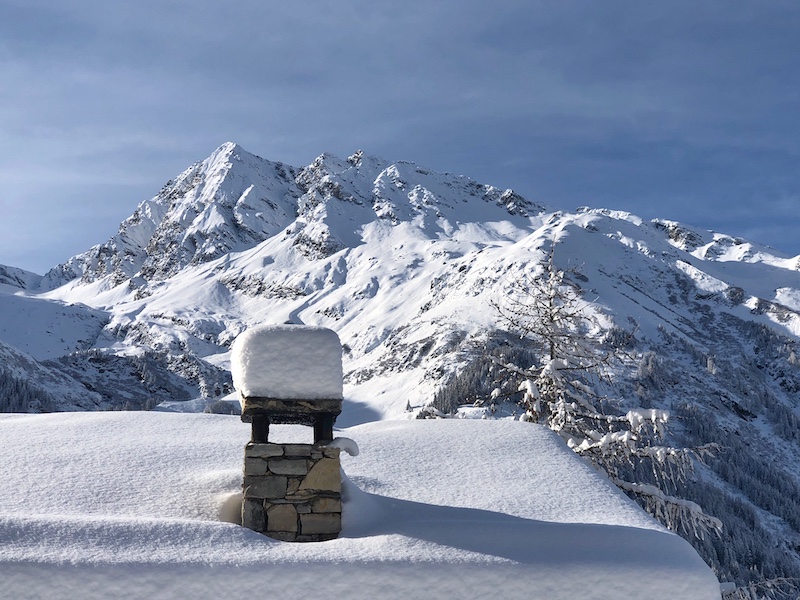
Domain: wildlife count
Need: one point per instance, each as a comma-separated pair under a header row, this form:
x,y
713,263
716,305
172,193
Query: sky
x,y
683,110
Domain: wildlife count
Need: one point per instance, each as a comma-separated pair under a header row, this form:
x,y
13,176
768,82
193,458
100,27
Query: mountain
x,y
230,201
404,264
29,386
11,277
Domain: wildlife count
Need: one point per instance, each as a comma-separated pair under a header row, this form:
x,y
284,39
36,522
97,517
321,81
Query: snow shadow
x,y
524,541
356,413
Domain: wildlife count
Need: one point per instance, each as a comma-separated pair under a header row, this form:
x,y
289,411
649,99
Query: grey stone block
x,y
255,466
320,523
282,517
257,450
287,466
264,487
297,449
253,516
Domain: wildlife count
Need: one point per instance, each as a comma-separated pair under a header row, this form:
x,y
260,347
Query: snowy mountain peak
x,y
231,200
227,149
356,157
234,200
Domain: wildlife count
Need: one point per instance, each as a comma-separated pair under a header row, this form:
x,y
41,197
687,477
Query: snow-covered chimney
x,y
290,374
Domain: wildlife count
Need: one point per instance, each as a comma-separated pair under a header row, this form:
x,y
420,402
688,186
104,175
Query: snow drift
x,y
102,504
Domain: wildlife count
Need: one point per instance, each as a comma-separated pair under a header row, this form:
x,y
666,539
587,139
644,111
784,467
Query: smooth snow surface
x,y
134,505
46,329
288,361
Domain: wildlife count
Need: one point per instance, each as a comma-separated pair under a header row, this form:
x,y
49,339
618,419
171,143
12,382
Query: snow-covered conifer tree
x,y
546,309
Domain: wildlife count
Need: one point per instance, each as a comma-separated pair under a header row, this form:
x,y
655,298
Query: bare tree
x,y
546,309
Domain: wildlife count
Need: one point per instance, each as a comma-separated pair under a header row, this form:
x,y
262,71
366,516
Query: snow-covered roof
x,y
432,509
288,362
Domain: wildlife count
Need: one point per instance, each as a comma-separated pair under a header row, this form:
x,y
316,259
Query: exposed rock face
x,y
292,492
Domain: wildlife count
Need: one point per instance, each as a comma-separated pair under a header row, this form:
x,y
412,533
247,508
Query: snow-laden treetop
x,y
289,362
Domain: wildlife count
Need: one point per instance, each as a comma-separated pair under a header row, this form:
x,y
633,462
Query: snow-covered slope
x,y
404,263
12,278
48,329
135,504
29,386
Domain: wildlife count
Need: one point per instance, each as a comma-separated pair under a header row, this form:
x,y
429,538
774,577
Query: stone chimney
x,y
290,374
